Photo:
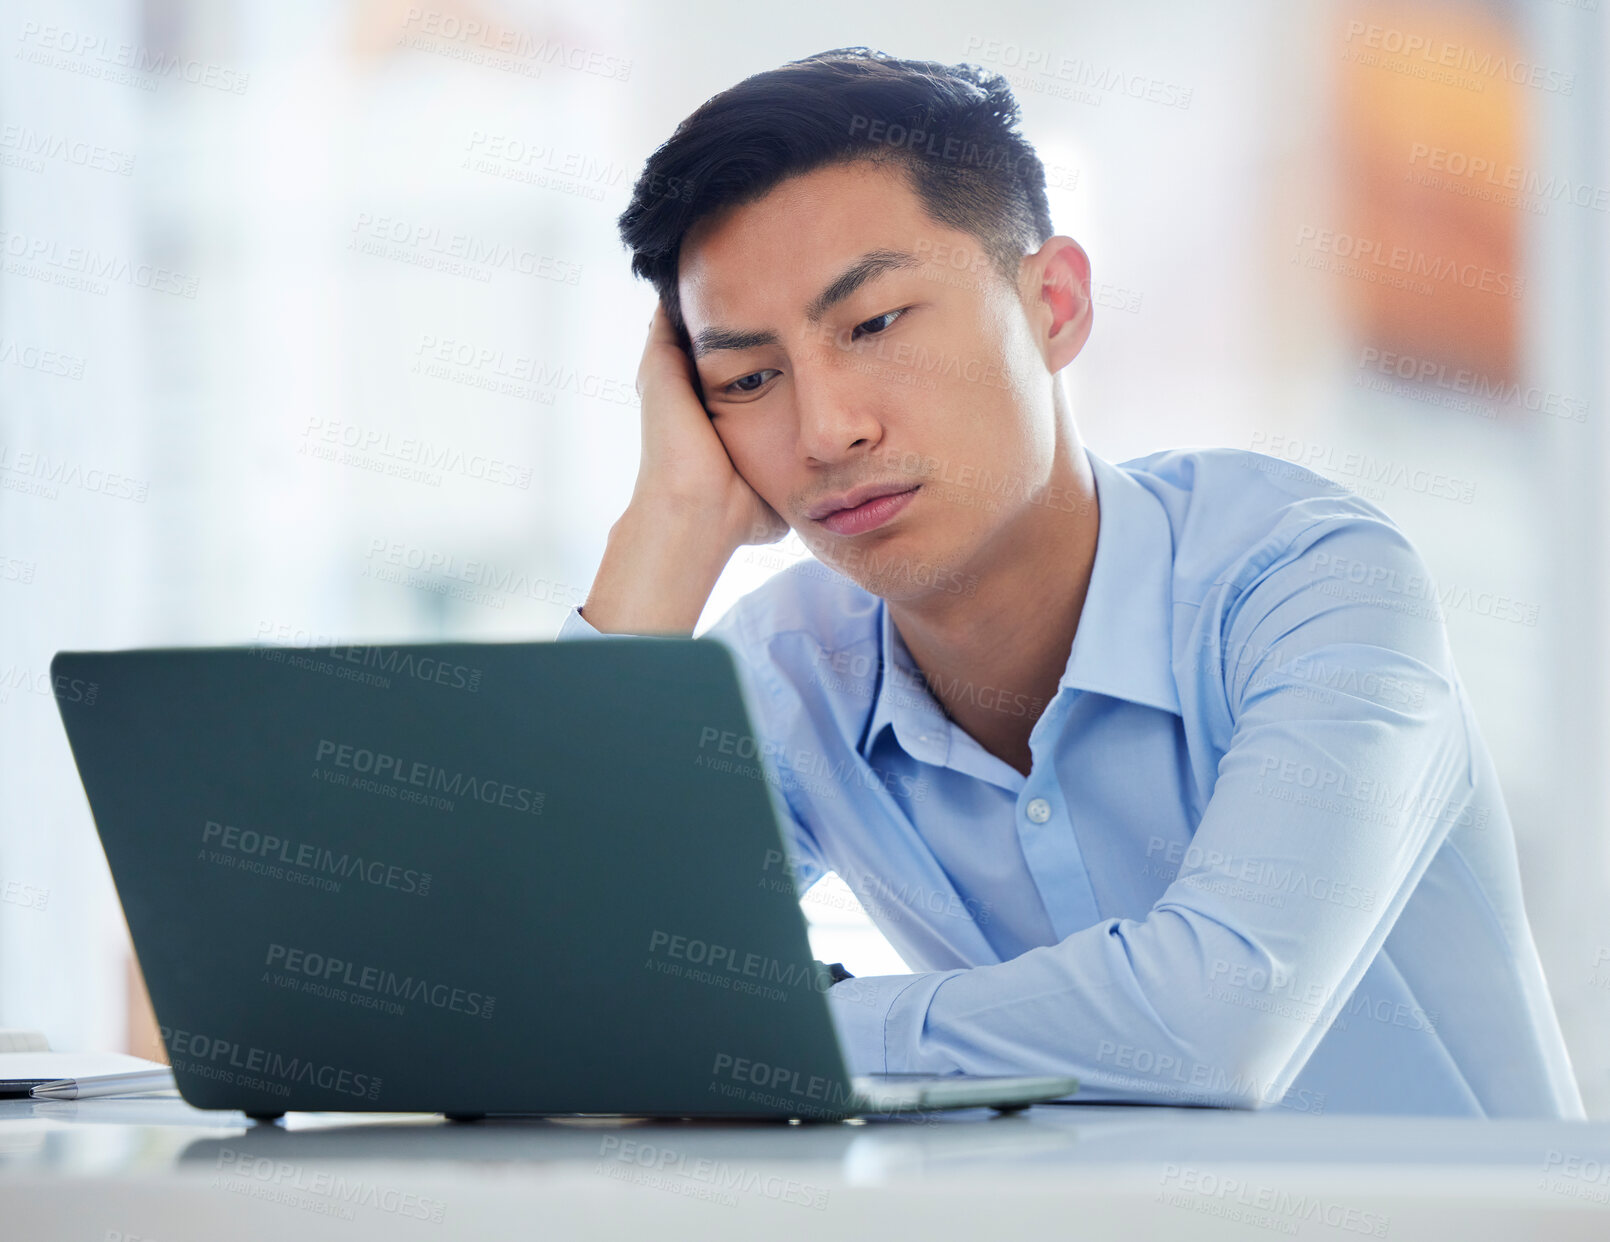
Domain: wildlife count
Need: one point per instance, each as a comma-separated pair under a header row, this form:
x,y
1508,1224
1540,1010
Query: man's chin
x,y
900,579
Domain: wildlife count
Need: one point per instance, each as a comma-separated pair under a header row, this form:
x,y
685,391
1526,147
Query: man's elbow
x,y
1255,1076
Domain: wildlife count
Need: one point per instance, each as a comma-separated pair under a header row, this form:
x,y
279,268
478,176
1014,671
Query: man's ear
x,y
1057,280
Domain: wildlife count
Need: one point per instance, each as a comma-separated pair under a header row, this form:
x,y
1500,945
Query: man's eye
x,y
755,380
744,385
891,316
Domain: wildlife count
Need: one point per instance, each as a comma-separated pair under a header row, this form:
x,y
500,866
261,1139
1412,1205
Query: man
x,y
1159,774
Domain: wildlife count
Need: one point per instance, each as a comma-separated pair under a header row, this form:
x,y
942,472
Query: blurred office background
x,y
251,249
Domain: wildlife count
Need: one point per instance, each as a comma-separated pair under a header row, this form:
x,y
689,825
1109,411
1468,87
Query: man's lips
x,y
869,514
856,497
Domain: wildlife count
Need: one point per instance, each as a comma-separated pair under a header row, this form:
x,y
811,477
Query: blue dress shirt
x,y
1261,856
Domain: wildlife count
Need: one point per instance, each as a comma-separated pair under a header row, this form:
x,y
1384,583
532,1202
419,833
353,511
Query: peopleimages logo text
x,y
315,858
329,969
207,1057
428,776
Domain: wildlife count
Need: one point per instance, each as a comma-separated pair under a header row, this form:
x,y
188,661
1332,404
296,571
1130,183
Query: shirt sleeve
x,y
1354,789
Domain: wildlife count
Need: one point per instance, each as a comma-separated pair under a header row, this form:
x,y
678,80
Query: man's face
x,y
932,373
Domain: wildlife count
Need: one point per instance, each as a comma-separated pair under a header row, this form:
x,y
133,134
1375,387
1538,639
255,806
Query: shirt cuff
x,y
866,1008
577,626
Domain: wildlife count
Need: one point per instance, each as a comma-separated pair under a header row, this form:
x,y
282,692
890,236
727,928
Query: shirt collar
x,y
1124,647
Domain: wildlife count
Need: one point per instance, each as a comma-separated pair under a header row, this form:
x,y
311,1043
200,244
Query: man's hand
x,y
689,511
684,466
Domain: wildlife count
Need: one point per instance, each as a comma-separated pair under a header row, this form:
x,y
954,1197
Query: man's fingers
x,y
663,355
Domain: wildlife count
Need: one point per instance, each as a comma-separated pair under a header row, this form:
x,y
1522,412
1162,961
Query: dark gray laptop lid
x,y
467,878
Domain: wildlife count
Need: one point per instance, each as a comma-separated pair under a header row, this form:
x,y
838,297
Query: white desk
x,y
159,1171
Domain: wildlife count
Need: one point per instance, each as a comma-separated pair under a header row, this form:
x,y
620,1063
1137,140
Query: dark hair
x,y
952,128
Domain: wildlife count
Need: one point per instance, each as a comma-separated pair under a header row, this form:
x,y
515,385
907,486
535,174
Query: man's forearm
x,y
658,569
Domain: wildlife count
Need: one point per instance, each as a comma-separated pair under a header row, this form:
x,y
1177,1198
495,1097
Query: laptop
x,y
467,878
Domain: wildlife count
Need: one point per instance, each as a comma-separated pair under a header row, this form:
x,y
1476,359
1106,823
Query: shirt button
x,y
1039,810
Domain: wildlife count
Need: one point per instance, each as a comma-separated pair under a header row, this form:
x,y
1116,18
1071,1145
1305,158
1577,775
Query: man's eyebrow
x,y
870,265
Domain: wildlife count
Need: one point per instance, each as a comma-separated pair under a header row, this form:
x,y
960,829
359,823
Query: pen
x,y
141,1082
